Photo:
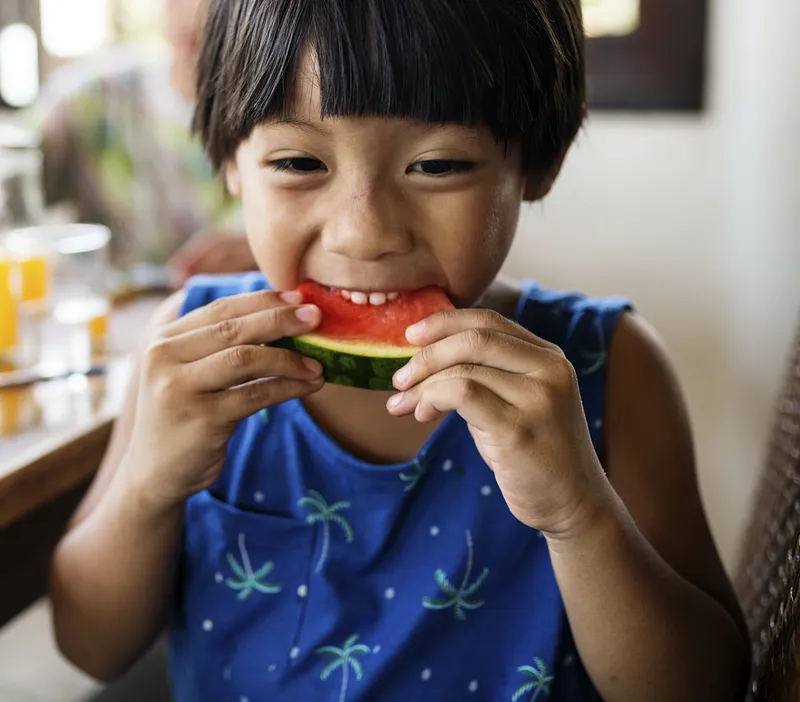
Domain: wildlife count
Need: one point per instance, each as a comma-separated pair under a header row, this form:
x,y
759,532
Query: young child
x,y
519,521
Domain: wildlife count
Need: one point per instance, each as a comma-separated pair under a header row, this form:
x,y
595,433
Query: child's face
x,y
351,202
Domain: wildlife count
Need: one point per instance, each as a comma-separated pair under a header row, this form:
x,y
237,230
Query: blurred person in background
x,y
117,146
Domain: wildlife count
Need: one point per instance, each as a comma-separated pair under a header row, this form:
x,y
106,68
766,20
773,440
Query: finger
x,y
459,391
262,327
476,345
226,308
244,401
243,364
449,322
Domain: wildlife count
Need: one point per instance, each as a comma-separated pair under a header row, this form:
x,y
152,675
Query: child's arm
x,y
113,572
653,614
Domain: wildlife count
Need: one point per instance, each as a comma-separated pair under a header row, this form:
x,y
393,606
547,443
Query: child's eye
x,y
440,167
298,165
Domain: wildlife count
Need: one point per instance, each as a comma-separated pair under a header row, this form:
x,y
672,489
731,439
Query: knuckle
x,y
465,371
477,338
275,316
561,380
564,375
240,357
467,389
258,393
423,358
156,355
264,297
285,359
227,330
493,318
219,308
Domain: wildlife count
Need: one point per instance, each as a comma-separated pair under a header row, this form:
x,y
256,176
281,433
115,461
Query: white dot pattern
x,y
259,497
473,686
302,591
294,653
447,466
486,490
426,674
390,593
208,625
434,531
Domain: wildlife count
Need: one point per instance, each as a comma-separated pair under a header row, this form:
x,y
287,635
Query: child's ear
x,y
232,178
538,185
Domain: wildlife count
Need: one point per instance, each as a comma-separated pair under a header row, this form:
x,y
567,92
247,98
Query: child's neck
x,y
366,429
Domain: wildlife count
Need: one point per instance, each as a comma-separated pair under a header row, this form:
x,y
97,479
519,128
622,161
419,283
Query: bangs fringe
x,y
515,66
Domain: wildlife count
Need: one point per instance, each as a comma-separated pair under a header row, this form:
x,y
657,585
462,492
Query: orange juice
x,y
8,311
11,402
35,278
98,326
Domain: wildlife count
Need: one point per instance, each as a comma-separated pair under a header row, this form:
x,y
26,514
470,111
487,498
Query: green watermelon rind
x,y
352,364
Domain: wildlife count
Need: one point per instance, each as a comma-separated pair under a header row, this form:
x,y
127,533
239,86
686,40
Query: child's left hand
x,y
520,398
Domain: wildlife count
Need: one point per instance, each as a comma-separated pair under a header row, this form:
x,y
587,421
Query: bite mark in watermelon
x,y
363,346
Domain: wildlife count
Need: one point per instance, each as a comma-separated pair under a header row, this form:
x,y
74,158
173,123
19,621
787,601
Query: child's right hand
x,y
201,375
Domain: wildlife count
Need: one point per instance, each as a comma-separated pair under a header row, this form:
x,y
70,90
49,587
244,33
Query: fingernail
x,y
395,400
307,313
402,376
312,365
292,297
416,329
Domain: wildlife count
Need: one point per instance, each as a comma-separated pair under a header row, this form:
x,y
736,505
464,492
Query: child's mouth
x,y
361,297
373,297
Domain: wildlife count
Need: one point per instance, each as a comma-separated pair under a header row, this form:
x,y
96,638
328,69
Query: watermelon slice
x,y
363,346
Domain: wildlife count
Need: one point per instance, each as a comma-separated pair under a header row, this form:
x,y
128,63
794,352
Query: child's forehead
x,y
305,106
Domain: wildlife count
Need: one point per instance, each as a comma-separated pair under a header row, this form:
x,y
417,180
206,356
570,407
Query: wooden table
x,y
52,439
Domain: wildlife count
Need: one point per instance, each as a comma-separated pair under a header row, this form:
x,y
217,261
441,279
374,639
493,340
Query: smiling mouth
x,y
376,298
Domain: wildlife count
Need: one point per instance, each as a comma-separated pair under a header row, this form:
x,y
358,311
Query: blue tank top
x,y
307,574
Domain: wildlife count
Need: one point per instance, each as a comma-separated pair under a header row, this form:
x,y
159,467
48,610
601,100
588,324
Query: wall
x,y
697,219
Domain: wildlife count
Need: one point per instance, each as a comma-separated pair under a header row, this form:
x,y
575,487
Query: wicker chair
x,y
768,578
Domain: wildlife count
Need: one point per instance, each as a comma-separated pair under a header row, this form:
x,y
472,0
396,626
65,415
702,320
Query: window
x,y
646,54
74,27
20,54
19,65
610,18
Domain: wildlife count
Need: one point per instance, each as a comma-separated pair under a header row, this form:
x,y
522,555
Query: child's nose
x,y
368,225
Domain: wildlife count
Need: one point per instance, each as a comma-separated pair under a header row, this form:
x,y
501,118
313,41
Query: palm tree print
x,y
540,681
325,513
247,581
595,359
413,477
344,658
458,598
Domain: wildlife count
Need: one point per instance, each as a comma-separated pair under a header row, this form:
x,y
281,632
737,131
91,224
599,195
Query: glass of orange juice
x,y
63,272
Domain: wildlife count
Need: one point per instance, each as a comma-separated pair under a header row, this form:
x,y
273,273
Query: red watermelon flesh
x,y
344,320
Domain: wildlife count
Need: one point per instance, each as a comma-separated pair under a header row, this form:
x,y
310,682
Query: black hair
x,y
516,66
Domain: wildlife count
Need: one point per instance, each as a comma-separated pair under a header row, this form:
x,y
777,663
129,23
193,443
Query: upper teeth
x,y
376,298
